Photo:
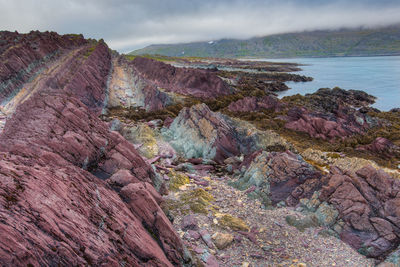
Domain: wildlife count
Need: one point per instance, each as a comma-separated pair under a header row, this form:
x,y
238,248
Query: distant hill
x,y
345,42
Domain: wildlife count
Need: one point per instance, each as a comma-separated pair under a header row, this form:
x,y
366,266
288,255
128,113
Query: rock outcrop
x,y
368,204
278,177
198,132
251,104
129,89
328,126
381,146
185,81
22,56
330,113
55,153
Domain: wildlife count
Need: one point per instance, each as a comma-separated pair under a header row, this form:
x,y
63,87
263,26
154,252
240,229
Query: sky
x,y
127,25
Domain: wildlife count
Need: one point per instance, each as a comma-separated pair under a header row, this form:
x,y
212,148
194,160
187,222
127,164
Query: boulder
x,y
222,240
278,176
367,203
198,132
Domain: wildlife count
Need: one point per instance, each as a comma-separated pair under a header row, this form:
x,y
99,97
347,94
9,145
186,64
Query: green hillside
x,y
359,42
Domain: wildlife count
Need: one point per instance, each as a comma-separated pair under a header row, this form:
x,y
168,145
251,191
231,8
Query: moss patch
x,y
233,223
197,201
177,179
333,155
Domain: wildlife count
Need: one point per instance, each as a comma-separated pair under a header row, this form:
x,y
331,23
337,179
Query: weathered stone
x,y
198,132
381,146
279,176
222,240
142,134
231,222
205,235
367,203
331,113
55,211
326,214
189,222
184,81
252,104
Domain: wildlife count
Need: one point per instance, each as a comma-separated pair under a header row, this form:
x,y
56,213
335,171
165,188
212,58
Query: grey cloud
x,y
130,24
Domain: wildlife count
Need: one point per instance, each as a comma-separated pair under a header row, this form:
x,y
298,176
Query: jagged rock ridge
x,y
54,210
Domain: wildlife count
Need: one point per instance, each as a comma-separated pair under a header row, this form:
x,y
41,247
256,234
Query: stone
x,y
303,223
142,134
222,240
122,178
206,238
331,113
366,202
189,222
381,146
232,222
209,259
194,234
326,214
198,132
278,176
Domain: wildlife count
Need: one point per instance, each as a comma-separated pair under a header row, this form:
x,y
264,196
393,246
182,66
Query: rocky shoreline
x,y
137,161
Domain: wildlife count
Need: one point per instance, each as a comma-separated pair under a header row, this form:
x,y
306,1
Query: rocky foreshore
x,y
108,160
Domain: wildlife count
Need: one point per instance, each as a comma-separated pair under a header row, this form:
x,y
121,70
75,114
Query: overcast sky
x,y
130,24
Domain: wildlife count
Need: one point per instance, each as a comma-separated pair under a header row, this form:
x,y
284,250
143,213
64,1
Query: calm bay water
x,y
378,76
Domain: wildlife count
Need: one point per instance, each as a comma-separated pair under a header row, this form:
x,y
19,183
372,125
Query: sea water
x,y
378,76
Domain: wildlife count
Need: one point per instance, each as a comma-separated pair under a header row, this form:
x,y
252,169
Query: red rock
x,y
122,178
252,104
381,146
341,122
23,55
55,211
189,222
368,204
185,81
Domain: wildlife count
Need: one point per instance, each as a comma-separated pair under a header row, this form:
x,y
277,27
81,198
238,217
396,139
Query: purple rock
x,y
206,238
189,222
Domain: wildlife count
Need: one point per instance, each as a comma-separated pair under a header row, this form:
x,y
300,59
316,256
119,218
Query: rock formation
x,y
368,204
251,104
79,190
278,177
200,133
55,153
330,113
185,81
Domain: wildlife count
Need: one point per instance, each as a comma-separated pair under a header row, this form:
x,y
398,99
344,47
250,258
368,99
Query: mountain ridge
x,y
321,43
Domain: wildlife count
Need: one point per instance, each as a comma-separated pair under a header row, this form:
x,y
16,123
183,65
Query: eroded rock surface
x,y
54,210
24,55
368,203
278,177
330,113
129,89
251,104
185,81
381,146
200,133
